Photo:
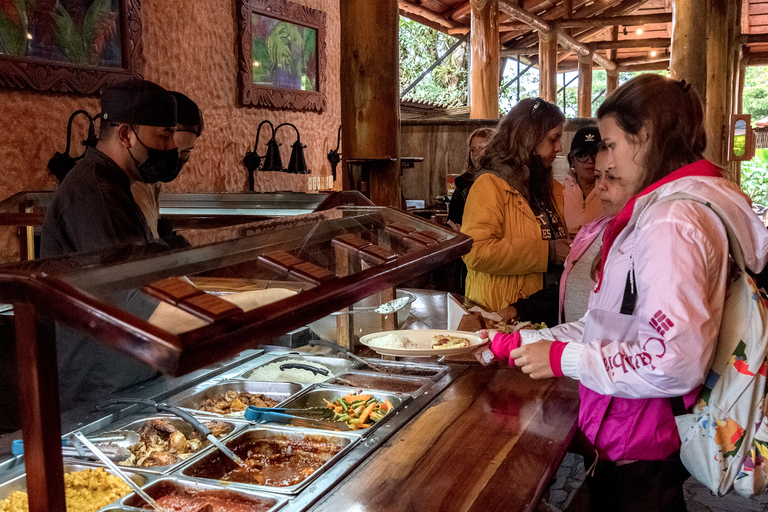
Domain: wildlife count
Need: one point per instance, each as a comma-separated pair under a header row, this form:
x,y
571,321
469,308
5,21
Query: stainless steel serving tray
x,y
406,369
195,397
198,485
135,422
334,364
316,397
385,382
342,439
19,482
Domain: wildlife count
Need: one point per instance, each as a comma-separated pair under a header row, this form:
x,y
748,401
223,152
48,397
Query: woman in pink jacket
x,y
671,254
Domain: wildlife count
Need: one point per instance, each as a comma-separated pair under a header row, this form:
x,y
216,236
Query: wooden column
x,y
742,80
370,94
41,413
484,64
688,52
548,65
585,86
612,77
718,79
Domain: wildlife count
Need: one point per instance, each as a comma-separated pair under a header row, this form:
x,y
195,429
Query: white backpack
x,y
725,435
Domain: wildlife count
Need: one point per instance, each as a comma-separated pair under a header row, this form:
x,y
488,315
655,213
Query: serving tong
x,y
341,350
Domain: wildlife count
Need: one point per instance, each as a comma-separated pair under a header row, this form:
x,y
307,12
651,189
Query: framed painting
x,y
69,45
281,61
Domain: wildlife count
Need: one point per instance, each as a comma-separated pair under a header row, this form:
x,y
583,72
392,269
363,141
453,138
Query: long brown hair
x,y
483,133
517,134
672,114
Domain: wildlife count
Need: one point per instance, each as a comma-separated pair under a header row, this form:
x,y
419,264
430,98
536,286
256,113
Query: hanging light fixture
x,y
61,163
334,156
272,161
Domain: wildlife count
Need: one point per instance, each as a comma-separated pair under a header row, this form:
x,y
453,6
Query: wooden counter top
x,y
491,441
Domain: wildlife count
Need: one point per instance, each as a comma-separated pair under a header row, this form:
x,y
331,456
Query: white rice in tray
x,y
392,341
272,373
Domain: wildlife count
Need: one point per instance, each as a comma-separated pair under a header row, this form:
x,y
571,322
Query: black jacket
x,y
459,198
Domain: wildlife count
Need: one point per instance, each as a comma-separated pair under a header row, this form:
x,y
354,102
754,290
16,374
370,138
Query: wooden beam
x,y
753,38
757,59
370,98
651,42
718,55
548,66
613,21
425,13
622,8
585,87
642,66
484,64
561,37
688,54
426,22
612,78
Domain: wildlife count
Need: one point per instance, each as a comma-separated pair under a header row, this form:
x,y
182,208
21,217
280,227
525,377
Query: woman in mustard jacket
x,y
514,209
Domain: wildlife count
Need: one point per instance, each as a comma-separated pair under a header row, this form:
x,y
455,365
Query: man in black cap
x,y
581,202
189,127
93,208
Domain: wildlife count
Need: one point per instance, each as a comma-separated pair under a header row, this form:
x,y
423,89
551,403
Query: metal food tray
x,y
343,439
411,385
19,482
196,484
436,371
135,424
195,397
334,364
314,398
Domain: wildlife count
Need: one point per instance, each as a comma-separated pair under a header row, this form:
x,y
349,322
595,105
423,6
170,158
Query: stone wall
x,y
194,52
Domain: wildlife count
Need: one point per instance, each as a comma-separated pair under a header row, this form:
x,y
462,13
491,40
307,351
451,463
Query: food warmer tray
x,y
193,398
123,504
17,480
344,439
135,422
429,370
385,382
334,364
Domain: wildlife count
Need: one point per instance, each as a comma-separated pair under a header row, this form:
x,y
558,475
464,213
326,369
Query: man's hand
x,y
508,314
533,359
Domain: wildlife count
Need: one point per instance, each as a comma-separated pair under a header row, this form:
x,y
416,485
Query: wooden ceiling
x,y
633,51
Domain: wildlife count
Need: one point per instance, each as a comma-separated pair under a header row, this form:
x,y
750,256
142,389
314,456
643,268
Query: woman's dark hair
x,y
483,133
513,144
672,114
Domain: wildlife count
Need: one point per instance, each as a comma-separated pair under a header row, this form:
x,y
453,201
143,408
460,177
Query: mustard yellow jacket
x,y
508,257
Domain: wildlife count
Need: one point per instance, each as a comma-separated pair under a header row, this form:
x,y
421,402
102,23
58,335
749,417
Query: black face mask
x,y
160,165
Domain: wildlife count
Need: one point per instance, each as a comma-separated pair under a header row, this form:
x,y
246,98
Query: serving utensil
x,y
111,465
260,414
386,308
160,407
346,352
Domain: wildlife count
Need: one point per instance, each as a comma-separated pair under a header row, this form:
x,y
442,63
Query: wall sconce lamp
x,y
272,160
61,163
334,156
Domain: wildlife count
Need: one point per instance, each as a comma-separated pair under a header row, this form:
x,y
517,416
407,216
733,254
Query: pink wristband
x,y
556,356
502,344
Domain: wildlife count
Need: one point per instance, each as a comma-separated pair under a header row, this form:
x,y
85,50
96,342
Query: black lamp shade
x,y
297,165
273,162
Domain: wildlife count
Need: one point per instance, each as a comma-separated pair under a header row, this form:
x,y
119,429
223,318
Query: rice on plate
x,y
392,341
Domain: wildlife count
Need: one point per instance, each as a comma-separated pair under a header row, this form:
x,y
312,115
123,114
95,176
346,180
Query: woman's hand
x,y
533,359
508,314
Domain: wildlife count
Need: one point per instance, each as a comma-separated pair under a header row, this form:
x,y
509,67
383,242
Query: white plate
x,y
423,339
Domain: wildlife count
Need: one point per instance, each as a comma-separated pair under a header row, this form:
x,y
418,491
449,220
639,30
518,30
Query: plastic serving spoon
x,y
111,465
391,306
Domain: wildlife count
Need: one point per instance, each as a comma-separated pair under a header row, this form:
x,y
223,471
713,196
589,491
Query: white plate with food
x,y
422,342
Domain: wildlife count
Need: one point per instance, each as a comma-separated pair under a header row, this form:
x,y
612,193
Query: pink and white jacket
x,y
679,252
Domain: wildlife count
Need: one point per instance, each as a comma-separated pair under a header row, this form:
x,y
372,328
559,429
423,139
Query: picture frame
x,y
281,58
80,46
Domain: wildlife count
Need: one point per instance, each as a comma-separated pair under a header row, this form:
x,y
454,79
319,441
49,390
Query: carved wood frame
x,y
50,75
264,96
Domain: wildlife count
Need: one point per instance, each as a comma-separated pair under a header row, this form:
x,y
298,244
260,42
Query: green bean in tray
x,y
358,411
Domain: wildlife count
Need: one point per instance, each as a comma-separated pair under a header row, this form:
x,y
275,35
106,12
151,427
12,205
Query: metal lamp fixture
x,y
61,163
334,156
272,160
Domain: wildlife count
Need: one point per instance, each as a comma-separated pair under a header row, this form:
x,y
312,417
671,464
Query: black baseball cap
x,y
188,114
585,140
138,102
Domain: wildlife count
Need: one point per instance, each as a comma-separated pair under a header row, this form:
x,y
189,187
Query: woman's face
x,y
476,147
624,154
611,188
549,146
585,171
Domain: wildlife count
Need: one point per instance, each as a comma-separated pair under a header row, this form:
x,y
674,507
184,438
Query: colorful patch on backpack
x,y
729,435
739,360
